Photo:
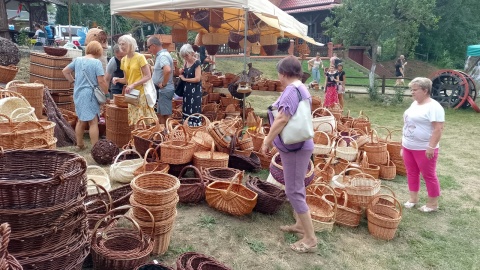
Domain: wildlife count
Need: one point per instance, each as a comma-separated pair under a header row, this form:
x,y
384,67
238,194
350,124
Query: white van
x,y
62,32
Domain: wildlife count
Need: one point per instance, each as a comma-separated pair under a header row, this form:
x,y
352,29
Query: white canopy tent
x,y
168,12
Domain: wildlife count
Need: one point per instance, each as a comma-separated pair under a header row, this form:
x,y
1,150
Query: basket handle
x,y
196,171
389,189
326,123
352,141
5,232
389,136
396,203
61,173
155,134
33,140
226,193
8,118
186,137
29,111
364,162
125,152
362,115
142,120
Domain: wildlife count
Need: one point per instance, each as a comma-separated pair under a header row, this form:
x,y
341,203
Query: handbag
x,y
181,84
150,93
133,97
99,94
300,127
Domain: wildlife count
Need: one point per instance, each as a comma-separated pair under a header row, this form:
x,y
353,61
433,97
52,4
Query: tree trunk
x,y
4,21
371,76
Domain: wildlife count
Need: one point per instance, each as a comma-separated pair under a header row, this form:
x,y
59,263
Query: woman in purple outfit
x,y
295,157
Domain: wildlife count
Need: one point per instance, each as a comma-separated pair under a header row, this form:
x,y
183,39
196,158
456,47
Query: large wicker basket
x,y
361,188
276,169
8,73
192,188
231,197
40,178
270,197
19,135
323,214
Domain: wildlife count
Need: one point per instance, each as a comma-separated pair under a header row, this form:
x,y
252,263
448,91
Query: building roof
x,y
287,5
309,9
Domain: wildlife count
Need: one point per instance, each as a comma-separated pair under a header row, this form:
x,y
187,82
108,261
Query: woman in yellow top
x,y
137,72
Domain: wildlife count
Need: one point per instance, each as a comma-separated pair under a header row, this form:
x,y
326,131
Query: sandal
x,y
426,209
302,248
409,205
80,147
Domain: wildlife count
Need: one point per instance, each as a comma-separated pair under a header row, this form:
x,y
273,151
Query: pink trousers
x,y
416,162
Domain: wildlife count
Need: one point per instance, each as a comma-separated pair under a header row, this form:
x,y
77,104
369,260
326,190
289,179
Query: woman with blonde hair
x,y
136,72
87,69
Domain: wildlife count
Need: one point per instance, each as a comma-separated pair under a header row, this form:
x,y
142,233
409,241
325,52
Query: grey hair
x,y
132,43
186,49
116,48
155,41
423,83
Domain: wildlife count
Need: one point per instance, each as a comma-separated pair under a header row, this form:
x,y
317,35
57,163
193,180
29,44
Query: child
x,y
340,83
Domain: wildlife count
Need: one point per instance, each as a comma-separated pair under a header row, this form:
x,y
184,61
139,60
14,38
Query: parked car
x,y
63,32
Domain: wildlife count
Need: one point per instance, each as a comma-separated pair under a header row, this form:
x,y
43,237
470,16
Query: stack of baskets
x,y
118,129
156,192
42,195
394,147
27,135
47,69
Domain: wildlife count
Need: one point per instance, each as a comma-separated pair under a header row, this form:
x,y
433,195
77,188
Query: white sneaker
x,y
409,205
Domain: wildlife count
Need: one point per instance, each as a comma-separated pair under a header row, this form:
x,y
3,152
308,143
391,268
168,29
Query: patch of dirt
x,y
414,68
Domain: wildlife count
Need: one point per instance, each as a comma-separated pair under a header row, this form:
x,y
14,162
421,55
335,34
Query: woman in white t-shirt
x,y
422,130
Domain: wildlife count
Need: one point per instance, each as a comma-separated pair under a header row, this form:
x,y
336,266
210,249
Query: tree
x,y
368,22
458,27
4,21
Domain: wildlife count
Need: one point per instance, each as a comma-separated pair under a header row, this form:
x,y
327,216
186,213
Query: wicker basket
x,y
33,92
394,147
104,152
177,152
122,171
55,51
159,212
100,177
202,140
345,151
325,171
8,73
270,197
40,178
192,189
46,71
383,219
48,60
322,115
119,197
235,37
361,188
211,175
209,159
270,49
231,197
194,260
179,32
154,266
155,188
389,170
190,129
120,247
320,147
376,150
156,228
323,214
372,169
362,122
276,170
152,165
348,214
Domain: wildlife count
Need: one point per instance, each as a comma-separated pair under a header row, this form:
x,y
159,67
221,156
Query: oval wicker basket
x,y
55,51
322,115
231,197
361,188
323,214
155,188
100,178
192,189
8,73
18,135
209,159
123,171
346,149
270,197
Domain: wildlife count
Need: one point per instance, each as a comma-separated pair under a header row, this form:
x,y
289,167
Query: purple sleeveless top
x,y
288,104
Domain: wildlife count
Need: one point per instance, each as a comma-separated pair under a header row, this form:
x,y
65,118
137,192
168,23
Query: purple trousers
x,y
416,162
295,166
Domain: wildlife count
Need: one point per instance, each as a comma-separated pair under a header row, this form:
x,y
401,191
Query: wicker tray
x,y
52,83
46,71
49,60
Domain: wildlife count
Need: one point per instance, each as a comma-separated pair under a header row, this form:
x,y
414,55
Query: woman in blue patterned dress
x,y
192,93
86,104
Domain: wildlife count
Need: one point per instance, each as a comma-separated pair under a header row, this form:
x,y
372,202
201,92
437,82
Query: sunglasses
x,y
148,47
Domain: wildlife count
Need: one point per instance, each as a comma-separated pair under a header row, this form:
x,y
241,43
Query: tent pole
x,y
69,21
112,21
245,58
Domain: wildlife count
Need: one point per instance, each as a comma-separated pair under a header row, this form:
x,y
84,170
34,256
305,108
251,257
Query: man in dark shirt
x,y
113,70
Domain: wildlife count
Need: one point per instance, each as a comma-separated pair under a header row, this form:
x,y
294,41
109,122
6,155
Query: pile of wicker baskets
x,y
7,261
198,261
156,192
47,70
43,193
